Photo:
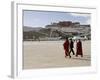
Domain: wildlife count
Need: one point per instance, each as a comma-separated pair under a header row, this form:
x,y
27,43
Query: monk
x,y
79,48
71,47
66,47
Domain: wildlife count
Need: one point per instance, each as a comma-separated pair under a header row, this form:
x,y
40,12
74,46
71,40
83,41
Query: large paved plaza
x,y
50,54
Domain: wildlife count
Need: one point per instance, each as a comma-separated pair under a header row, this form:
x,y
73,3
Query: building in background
x,y
55,31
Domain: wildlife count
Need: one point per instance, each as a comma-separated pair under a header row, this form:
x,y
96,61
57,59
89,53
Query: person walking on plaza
x,y
71,47
79,50
66,47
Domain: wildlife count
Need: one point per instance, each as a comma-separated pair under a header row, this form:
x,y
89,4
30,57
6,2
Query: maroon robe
x,y
66,47
79,49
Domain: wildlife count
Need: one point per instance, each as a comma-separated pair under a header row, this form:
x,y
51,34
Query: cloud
x,y
83,18
80,14
88,21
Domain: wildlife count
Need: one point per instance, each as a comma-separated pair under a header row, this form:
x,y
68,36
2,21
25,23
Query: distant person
x,y
79,48
66,47
71,47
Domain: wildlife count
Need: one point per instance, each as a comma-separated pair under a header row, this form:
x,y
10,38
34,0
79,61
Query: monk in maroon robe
x,y
79,49
66,47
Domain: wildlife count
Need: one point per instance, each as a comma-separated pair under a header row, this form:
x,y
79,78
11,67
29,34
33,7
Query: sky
x,y
43,18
